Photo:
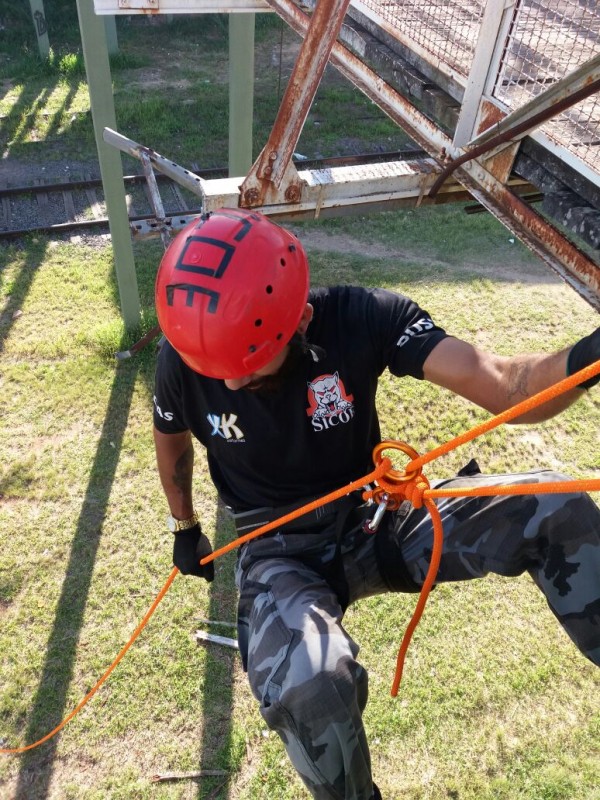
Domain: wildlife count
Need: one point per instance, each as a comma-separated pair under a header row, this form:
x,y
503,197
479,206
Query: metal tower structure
x,y
502,95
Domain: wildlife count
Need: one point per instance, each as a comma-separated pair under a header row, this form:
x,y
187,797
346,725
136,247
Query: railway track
x,y
78,204
61,207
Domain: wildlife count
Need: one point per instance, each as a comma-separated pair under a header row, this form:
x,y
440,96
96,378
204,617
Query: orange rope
x,y
505,416
419,495
434,565
560,487
411,485
93,691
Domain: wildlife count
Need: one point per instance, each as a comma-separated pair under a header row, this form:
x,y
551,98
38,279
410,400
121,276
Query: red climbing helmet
x,y
230,292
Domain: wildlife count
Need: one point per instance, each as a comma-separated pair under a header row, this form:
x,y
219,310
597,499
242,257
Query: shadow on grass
x,y
20,289
49,706
216,748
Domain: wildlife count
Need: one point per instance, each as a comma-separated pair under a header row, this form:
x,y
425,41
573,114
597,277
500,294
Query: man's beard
x,y
299,347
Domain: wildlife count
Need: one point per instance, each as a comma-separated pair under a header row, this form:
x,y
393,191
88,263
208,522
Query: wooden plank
x,y
42,197
69,206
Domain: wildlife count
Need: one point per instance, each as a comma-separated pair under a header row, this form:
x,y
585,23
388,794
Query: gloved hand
x,y
188,548
584,353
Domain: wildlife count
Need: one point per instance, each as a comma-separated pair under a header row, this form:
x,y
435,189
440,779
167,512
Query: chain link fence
x,y
546,41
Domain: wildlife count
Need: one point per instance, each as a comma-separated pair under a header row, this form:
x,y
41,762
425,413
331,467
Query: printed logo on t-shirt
x,y
225,426
166,415
329,404
423,324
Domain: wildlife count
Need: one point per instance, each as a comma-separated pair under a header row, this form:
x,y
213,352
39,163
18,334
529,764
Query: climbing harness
x,y
392,488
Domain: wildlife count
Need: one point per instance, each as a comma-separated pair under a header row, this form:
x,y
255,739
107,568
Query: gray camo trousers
x,y
302,665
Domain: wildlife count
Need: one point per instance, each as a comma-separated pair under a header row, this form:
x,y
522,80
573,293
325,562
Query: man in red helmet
x,y
278,383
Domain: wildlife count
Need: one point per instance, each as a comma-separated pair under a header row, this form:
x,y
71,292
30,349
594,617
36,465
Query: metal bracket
x,y
273,177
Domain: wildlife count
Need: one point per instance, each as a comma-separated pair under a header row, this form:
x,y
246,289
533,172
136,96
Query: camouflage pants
x,y
302,665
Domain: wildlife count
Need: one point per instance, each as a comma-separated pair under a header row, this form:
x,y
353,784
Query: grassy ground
x,y
496,703
170,90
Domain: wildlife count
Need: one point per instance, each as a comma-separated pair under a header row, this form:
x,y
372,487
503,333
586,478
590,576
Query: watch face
x,y
172,524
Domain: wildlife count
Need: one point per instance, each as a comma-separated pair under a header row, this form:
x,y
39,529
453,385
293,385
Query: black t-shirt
x,y
316,433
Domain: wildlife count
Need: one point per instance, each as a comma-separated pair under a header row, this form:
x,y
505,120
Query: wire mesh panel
x,y
446,29
547,41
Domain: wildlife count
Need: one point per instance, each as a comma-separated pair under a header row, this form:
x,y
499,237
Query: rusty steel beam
x,y
566,89
560,254
273,172
420,129
571,263
507,134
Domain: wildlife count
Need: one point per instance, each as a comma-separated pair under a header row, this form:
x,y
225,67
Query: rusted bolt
x,y
273,156
251,197
292,194
267,170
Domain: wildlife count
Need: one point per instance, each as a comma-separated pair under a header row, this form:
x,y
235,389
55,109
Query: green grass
x,y
495,704
170,92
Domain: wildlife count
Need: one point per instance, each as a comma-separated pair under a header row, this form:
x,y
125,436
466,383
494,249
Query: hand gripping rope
x,y
393,487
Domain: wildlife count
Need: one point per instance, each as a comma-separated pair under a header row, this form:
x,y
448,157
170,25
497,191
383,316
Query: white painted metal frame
x,y
178,6
494,25
331,188
585,75
465,90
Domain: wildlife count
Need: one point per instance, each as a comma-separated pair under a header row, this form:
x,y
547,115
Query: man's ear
x,y
307,316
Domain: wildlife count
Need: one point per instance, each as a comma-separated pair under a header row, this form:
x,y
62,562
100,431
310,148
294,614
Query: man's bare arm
x,y
497,383
175,460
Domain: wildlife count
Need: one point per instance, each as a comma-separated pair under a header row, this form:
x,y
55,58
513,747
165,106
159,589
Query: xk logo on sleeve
x,y
225,427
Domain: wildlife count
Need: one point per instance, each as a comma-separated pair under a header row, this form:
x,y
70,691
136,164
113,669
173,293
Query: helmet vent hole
x,y
269,289
252,348
282,262
279,336
258,322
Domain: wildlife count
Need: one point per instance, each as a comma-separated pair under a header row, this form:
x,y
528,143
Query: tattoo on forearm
x,y
518,381
182,478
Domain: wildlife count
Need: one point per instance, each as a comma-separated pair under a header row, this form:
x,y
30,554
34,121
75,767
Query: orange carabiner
x,y
394,477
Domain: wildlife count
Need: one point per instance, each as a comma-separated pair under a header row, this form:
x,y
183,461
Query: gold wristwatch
x,y
176,525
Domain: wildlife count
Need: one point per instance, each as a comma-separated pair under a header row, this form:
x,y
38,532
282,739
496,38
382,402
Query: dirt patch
x,y
342,243
156,79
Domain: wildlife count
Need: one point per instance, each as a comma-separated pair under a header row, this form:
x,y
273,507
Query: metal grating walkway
x,y
544,42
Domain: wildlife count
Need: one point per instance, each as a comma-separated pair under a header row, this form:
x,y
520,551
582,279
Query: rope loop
x,y
392,478
415,491
392,486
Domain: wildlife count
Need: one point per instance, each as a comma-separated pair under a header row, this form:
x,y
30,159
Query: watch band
x,y
176,525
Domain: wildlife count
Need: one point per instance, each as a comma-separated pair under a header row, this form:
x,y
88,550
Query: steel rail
x,y
172,217
65,227
215,172
88,183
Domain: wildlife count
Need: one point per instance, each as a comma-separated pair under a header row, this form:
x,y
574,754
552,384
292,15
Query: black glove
x,y
188,548
584,353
